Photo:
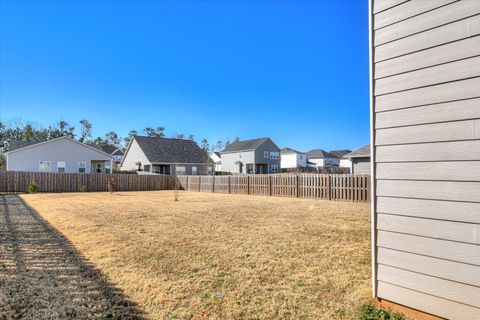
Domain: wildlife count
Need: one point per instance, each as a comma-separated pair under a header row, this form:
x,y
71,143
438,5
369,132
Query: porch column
x,y
111,166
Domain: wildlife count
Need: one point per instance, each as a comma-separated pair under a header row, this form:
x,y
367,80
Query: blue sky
x,y
294,71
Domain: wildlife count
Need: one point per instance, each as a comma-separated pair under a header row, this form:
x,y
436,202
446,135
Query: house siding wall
x,y
293,160
361,166
247,157
71,152
134,154
426,134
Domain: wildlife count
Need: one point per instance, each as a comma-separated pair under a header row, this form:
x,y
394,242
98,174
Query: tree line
x,y
17,131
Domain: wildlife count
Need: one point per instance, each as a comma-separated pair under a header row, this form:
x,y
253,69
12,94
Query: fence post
x,y
248,184
297,185
228,181
270,184
213,184
199,183
329,190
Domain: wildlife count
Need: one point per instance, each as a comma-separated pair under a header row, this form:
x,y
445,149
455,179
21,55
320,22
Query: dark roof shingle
x,y
319,153
340,153
244,145
171,150
17,144
363,152
289,151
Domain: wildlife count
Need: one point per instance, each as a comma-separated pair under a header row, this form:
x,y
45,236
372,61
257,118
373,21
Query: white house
x,y
343,162
62,154
216,158
321,158
290,158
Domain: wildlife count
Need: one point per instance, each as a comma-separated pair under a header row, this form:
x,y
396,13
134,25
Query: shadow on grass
x,y
43,276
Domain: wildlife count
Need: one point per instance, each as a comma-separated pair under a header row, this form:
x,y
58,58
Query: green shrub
x,y
32,187
369,312
82,189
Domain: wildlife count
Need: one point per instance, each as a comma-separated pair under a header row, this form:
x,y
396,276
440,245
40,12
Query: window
x,y
194,171
107,168
45,166
274,155
274,168
266,154
179,170
301,157
82,166
98,168
60,166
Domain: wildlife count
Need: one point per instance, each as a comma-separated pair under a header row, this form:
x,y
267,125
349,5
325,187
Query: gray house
x,y
360,160
251,156
166,156
62,154
425,139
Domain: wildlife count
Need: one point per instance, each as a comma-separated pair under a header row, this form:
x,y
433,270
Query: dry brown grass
x,y
213,256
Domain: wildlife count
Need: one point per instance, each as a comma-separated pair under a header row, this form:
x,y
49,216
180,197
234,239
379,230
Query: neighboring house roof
x,y
106,149
217,154
290,151
14,145
118,152
319,154
363,152
20,145
171,150
340,153
245,145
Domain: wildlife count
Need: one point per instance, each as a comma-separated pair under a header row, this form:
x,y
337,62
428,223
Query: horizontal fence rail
x,y
340,187
14,182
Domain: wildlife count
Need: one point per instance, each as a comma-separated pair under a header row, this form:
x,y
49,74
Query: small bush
x,y
82,189
32,187
112,186
369,312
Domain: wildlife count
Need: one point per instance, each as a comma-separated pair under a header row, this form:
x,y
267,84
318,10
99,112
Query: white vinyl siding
x,y
426,146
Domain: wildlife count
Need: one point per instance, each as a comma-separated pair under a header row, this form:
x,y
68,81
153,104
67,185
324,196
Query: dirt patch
x,y
214,256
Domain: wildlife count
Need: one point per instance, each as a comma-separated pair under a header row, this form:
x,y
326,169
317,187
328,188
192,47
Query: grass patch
x,y
214,256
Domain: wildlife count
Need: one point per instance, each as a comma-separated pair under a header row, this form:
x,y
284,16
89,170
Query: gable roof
x,y
363,152
171,150
290,151
319,153
108,149
245,145
17,144
216,153
20,145
340,153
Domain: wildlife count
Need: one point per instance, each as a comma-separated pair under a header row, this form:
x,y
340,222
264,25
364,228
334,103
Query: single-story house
x,y
168,156
291,158
251,156
360,160
62,154
321,158
216,158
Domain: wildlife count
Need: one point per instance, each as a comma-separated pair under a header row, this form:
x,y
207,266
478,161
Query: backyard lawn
x,y
214,256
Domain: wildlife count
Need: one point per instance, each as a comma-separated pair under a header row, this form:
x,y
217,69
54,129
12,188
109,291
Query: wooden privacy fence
x,y
342,187
75,182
